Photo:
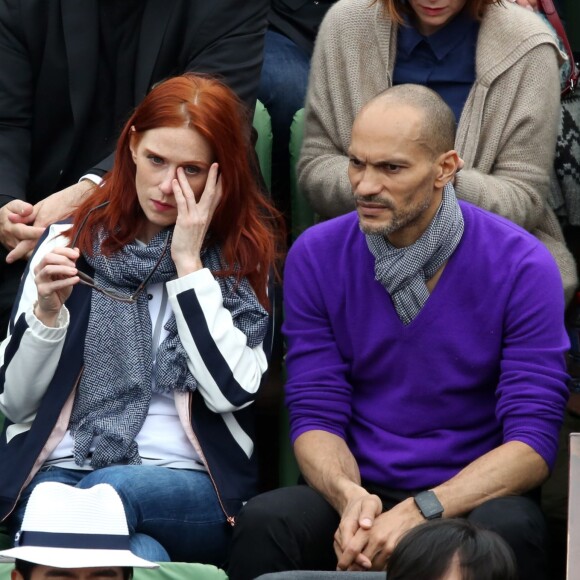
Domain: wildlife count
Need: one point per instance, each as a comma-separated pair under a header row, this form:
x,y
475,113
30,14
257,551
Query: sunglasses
x,y
113,294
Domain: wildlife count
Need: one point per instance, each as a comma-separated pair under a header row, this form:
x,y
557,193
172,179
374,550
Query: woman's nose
x,y
166,185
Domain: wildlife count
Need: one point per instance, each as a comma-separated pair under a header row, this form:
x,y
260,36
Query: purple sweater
x,y
483,362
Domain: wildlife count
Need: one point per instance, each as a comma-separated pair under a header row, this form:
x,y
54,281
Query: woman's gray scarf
x,y
404,271
119,373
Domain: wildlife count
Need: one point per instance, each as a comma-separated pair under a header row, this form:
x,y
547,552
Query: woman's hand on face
x,y
55,276
193,219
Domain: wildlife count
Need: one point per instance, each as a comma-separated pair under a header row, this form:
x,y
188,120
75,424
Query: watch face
x,y
429,505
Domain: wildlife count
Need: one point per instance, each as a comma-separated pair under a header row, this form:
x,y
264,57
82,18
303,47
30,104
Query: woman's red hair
x,y
244,224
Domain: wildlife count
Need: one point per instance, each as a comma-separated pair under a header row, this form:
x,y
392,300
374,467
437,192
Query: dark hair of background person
x,y
245,224
426,553
25,568
398,9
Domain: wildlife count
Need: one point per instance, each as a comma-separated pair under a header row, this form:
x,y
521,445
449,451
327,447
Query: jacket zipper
x,y
230,519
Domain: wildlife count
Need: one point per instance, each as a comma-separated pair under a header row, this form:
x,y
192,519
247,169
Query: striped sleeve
x,y
30,353
227,369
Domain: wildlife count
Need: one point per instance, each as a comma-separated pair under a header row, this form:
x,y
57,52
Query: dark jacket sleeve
x,y
15,104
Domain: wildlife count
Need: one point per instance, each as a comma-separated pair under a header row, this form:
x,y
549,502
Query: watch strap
x,y
429,505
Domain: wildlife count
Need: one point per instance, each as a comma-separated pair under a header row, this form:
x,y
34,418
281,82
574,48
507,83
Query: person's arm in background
x,y
21,223
329,112
507,171
16,94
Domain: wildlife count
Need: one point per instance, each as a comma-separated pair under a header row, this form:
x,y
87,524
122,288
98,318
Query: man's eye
x,y
391,168
355,162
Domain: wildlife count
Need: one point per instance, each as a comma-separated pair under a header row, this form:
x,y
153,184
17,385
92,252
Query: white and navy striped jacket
x,y
40,368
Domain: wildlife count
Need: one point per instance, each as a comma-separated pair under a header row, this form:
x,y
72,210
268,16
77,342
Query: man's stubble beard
x,y
399,220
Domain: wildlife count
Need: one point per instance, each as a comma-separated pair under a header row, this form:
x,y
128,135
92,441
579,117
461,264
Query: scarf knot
x,y
405,271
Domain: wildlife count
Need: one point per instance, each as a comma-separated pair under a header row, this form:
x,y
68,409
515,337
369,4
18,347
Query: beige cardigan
x,y
506,134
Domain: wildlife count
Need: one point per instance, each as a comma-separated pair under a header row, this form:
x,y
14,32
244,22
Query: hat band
x,y
82,541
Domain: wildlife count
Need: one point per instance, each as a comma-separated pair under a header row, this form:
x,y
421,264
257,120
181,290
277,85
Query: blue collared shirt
x,y
443,61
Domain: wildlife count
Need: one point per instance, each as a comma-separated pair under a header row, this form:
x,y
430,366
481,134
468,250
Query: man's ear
x,y
448,165
16,575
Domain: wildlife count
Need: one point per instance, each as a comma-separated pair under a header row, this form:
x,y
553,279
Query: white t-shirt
x,y
162,440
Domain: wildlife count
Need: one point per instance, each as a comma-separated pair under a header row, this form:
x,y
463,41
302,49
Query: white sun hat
x,y
69,527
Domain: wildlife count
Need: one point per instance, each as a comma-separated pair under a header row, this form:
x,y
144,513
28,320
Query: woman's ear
x,y
448,165
133,143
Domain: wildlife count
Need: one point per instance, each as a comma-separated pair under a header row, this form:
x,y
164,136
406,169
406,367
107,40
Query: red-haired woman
x,y
137,342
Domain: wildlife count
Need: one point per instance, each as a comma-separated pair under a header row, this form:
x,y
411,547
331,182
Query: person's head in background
x,y
451,549
24,570
429,17
70,533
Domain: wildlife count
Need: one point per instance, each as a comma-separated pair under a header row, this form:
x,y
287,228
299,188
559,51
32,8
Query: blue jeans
x,y
172,514
282,91
283,86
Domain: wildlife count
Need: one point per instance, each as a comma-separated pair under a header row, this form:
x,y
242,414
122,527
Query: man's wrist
x,y
429,505
347,491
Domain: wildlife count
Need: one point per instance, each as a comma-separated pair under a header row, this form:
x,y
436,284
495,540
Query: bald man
x,y
426,362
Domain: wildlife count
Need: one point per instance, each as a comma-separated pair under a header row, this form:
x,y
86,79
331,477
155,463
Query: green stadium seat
x,y
263,126
303,216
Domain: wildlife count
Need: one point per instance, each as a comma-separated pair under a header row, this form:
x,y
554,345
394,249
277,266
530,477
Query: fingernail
x,y
366,522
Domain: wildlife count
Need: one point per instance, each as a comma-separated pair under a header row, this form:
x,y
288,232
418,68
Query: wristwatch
x,y
428,504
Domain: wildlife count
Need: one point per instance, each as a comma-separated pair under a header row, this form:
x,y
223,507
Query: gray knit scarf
x,y
119,373
404,271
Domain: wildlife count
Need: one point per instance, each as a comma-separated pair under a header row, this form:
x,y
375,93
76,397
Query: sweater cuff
x,y
49,333
93,177
196,280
